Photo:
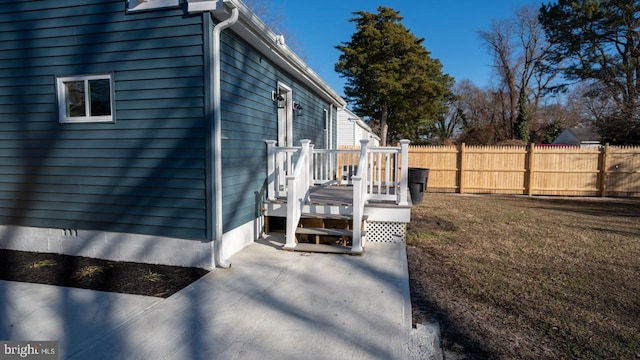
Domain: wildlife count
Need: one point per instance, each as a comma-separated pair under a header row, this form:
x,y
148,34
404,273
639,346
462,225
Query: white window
x,y
139,5
86,98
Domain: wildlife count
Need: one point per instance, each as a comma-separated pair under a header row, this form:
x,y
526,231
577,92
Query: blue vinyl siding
x,y
145,173
250,118
311,124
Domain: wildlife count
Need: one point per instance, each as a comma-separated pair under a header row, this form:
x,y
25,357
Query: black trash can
x,y
418,184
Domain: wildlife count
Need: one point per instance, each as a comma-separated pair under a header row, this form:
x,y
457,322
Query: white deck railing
x,y
298,185
378,174
386,176
279,166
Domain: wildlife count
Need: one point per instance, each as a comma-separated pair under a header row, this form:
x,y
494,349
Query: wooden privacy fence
x,y
531,170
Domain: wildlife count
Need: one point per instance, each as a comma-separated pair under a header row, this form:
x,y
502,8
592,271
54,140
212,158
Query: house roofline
x,y
358,120
254,31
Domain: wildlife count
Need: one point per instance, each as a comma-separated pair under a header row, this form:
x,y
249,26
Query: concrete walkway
x,y
271,304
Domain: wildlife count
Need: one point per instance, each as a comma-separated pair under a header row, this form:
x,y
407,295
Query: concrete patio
x,y
271,304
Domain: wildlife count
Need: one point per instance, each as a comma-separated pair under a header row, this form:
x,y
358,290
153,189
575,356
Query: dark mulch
x,y
95,274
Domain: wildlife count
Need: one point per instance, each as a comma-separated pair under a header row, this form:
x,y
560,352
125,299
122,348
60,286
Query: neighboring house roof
x,y
254,31
353,117
578,136
348,135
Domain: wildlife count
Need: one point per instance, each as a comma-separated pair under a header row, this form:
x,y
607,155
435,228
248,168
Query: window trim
x,y
62,97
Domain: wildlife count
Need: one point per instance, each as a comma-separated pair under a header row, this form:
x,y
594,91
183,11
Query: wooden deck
x,y
331,195
340,195
375,197
340,198
334,195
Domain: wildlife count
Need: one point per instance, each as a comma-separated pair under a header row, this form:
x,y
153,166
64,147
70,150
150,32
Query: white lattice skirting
x,y
386,231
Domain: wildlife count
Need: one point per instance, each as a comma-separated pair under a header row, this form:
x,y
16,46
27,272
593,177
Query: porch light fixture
x,y
279,99
298,108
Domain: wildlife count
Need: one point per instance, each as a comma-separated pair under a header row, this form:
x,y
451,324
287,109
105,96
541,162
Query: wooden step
x,y
325,216
324,231
322,234
333,221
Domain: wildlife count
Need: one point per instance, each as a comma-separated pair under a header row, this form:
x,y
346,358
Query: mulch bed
x,y
96,274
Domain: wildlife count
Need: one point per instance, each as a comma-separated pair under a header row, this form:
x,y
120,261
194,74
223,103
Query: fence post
x,y
604,150
530,164
461,166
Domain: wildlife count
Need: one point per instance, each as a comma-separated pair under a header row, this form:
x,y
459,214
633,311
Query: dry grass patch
x,y
88,271
42,264
152,276
528,277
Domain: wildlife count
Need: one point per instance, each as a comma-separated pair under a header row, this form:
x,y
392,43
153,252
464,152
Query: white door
x,y
284,102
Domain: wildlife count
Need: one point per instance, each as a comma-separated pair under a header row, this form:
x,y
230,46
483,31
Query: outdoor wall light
x,y
298,109
279,99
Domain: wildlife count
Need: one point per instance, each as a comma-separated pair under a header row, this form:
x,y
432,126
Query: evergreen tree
x,y
522,120
391,78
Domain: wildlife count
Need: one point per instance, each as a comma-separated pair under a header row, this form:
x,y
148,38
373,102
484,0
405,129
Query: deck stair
x,y
319,212
326,225
326,222
325,229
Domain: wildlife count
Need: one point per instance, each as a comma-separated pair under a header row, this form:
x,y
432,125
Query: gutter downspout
x,y
331,126
217,138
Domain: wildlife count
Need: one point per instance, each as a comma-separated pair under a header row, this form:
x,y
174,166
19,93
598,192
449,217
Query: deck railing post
x,y
364,153
359,182
297,193
356,245
309,171
292,213
404,172
271,169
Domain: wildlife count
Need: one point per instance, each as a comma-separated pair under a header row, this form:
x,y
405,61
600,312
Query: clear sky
x,y
448,26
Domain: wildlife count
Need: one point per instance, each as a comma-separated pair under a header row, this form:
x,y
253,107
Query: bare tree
x,y
518,48
481,114
447,125
499,42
